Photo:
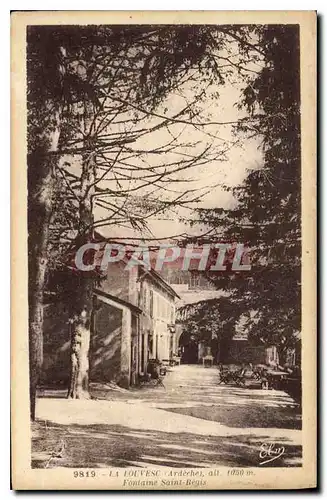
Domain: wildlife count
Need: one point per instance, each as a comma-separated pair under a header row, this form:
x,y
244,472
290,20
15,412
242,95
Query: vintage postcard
x,y
163,250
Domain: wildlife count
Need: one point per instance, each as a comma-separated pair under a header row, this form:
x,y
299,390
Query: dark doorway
x,y
189,349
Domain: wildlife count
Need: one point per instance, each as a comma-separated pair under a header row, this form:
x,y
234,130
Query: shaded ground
x,y
191,422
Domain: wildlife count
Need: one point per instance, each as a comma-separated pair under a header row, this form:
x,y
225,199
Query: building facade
x,y
133,321
157,300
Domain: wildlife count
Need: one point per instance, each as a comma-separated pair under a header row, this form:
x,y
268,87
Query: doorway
x,y
189,349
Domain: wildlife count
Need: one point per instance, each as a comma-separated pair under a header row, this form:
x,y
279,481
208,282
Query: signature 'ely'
x,y
270,452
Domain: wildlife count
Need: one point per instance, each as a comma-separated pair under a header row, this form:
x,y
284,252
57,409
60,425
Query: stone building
x,y
133,321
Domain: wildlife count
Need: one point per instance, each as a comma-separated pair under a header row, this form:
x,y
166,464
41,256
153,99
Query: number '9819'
x,y
82,473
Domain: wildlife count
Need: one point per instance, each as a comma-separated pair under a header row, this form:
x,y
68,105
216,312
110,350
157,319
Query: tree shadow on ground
x,y
250,416
230,406
95,446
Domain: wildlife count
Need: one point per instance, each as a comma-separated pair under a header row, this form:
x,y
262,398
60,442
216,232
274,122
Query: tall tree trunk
x,y
36,285
81,325
40,205
80,343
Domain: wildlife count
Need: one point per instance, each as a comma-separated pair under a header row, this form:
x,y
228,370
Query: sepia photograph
x,y
161,241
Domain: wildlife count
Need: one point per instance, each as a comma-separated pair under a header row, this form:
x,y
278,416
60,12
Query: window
x,y
156,306
146,300
172,313
165,314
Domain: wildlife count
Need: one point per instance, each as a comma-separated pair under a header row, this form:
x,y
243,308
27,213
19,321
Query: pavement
x,y
192,421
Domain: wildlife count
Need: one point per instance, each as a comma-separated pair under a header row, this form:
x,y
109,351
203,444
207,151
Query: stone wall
x,y
56,345
105,349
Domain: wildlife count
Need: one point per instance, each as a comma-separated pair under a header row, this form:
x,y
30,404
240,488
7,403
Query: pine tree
x,y
267,215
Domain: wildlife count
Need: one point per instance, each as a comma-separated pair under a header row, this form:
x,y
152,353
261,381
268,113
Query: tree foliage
x,y
267,212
